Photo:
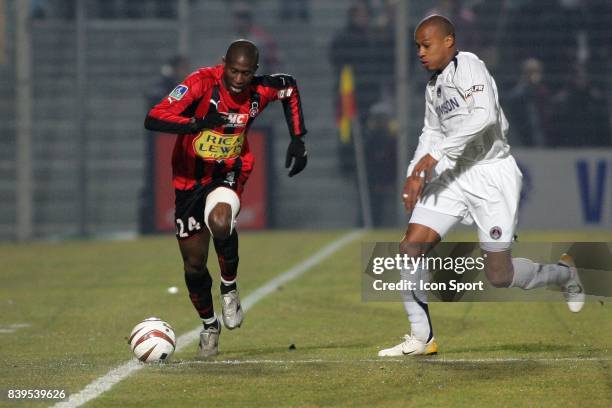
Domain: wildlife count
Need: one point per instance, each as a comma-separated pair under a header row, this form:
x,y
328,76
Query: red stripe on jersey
x,y
176,110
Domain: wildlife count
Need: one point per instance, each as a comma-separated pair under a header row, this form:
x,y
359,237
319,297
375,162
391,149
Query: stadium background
x,y
76,79
74,162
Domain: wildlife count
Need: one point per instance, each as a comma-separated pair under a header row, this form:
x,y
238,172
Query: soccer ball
x,y
152,340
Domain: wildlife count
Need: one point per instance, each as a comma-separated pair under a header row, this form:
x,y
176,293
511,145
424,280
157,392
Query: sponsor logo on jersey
x,y
211,145
178,93
474,89
447,106
285,93
237,119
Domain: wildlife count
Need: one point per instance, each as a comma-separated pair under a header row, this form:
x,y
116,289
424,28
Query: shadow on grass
x,y
521,348
490,370
286,352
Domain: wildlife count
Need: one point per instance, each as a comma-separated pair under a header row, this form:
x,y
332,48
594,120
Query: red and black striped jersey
x,y
199,158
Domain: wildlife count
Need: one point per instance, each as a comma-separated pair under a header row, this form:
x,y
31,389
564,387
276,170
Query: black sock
x,y
199,284
227,254
227,288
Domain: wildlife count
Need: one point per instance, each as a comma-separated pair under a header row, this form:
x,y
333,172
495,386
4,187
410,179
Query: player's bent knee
x,y
418,240
498,268
413,249
192,266
500,281
222,206
194,262
498,275
199,278
220,221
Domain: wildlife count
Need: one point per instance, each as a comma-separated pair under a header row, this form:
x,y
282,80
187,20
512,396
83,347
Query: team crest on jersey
x,y
229,178
254,109
178,93
495,233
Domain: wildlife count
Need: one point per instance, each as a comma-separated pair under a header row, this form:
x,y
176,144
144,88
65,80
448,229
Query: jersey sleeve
x,y
173,113
284,88
471,81
431,134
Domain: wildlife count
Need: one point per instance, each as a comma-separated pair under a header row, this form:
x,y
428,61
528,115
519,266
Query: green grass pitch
x,y
66,308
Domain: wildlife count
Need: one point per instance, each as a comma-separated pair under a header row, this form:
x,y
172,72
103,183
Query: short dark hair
x,y
242,48
440,21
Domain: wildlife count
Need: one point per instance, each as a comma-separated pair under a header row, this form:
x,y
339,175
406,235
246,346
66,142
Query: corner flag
x,y
347,109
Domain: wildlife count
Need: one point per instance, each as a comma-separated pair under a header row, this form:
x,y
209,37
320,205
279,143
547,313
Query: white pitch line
x,y
12,328
432,360
107,381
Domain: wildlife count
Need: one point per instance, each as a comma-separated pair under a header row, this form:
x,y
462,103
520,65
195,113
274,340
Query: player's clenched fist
x,y
296,152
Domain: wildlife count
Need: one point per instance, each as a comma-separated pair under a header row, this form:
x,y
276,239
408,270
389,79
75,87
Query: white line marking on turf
x,y
432,360
107,381
12,328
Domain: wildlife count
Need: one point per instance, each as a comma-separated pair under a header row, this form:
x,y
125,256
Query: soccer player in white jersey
x,y
462,171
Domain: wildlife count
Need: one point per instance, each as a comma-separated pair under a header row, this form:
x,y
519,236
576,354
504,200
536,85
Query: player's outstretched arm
x,y
284,87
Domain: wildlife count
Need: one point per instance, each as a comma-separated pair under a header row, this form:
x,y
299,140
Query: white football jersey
x,y
464,123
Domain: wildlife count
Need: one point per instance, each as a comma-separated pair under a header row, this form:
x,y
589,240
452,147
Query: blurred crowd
x,y
105,9
557,87
551,59
366,44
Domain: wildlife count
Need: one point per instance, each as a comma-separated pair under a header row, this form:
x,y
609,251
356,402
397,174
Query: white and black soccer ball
x,y
152,340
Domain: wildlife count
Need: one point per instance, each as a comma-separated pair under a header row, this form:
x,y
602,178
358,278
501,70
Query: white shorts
x,y
487,194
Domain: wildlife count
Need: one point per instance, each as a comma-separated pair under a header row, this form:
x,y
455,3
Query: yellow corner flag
x,y
347,109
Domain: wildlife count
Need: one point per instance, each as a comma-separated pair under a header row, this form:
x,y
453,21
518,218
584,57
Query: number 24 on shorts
x,y
192,225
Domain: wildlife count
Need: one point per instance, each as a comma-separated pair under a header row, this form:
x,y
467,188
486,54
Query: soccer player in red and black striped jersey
x,y
211,111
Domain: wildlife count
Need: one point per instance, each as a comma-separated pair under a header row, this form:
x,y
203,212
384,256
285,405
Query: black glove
x,y
213,119
297,151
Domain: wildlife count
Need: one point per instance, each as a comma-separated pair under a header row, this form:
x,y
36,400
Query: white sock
x,y
531,275
226,282
415,304
210,320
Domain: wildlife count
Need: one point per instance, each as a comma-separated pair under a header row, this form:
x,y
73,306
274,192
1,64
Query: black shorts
x,y
189,208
